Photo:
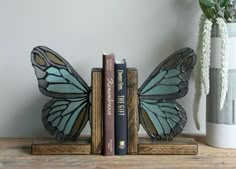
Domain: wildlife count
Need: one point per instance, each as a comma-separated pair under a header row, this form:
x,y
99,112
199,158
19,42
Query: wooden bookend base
x,y
178,146
54,147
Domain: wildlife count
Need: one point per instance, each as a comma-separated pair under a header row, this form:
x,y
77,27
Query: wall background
x,y
143,32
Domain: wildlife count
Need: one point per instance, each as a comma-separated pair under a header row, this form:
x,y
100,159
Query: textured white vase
x,y
221,124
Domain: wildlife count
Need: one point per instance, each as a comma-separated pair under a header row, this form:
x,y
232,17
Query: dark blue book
x,y
121,146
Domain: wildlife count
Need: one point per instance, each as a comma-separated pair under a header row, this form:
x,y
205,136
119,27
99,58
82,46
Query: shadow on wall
x,y
188,12
182,32
30,121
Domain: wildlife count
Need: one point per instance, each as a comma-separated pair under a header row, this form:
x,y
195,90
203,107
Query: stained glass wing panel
x,y
162,120
56,77
65,118
171,78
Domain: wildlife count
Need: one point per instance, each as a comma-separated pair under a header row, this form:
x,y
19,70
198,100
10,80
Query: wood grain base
x,y
178,146
54,147
146,146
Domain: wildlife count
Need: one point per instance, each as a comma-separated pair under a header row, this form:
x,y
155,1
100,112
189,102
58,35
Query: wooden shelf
x,y
16,154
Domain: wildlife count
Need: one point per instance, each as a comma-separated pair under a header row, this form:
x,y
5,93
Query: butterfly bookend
x,y
73,104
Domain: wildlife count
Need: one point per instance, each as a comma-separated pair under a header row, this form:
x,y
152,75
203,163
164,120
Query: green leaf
x,y
223,2
208,11
207,3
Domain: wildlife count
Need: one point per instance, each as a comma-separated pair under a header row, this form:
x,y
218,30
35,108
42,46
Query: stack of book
x,y
114,106
114,110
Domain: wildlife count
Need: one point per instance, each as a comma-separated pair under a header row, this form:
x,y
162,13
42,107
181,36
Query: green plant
x,y
214,9
218,13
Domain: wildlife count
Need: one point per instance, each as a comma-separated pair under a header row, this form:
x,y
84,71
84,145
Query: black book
x,y
121,146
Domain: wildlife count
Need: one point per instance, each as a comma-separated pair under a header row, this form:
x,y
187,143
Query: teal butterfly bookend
x,y
160,115
67,113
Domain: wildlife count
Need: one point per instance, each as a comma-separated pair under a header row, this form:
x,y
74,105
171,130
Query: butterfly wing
x,y
56,77
67,113
169,81
162,120
65,118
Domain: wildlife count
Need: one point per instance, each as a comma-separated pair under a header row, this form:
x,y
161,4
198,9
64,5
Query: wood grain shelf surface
x,y
16,154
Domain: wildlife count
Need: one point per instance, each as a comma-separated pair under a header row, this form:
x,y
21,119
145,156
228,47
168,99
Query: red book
x,y
108,107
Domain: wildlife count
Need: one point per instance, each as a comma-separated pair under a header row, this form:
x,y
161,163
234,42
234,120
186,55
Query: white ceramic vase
x,y
221,124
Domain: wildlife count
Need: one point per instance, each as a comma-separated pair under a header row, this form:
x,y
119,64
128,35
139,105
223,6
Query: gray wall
x,y
144,32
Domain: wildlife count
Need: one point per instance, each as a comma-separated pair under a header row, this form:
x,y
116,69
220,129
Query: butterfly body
x,y
67,113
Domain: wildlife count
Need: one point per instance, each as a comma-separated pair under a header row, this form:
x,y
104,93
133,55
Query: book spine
x,y
108,89
132,110
120,110
96,111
